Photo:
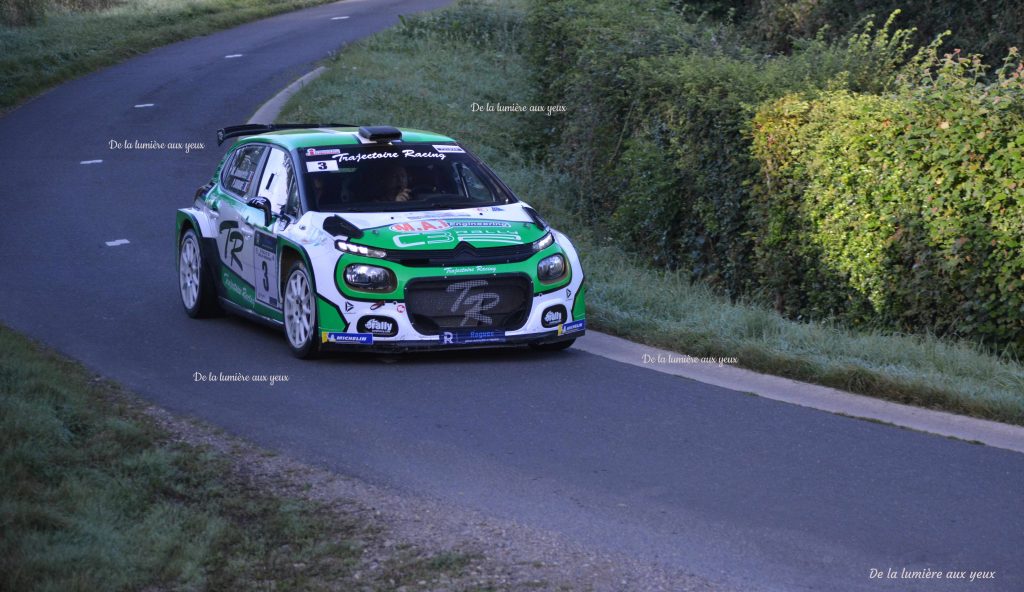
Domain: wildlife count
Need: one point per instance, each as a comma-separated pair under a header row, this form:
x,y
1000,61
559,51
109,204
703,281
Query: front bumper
x,y
439,343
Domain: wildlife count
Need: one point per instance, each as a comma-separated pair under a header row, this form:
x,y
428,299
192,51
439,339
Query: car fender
x,y
200,220
577,294
320,255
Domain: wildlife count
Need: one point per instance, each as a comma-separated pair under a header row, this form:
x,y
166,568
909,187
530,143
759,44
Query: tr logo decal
x,y
475,304
233,243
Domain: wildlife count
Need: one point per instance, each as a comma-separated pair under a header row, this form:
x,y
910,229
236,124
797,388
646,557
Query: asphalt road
x,y
721,484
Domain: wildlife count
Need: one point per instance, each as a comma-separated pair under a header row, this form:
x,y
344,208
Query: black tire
x,y
556,346
195,282
301,326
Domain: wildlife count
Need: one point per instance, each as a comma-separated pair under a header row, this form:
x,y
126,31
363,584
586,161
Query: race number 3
x,y
267,291
321,166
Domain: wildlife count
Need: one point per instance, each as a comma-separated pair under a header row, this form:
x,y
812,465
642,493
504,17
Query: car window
x,y
470,184
293,206
242,165
277,180
397,177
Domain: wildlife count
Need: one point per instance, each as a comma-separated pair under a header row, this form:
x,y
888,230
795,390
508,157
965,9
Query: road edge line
x,y
269,111
830,400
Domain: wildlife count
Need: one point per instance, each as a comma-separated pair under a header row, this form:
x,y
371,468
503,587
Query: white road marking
x,y
234,55
143,105
338,18
91,161
117,243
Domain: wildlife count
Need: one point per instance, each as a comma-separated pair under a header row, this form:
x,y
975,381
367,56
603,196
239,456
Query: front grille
x,y
465,303
463,254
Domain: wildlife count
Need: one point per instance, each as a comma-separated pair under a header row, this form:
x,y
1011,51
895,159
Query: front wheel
x,y
300,322
198,294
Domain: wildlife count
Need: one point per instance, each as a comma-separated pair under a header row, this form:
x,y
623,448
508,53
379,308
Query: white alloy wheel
x,y
300,321
198,294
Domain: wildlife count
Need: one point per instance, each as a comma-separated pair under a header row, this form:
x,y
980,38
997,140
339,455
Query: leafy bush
x,y
657,131
910,203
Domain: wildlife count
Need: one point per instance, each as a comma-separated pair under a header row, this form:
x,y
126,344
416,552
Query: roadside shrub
x,y
910,203
657,129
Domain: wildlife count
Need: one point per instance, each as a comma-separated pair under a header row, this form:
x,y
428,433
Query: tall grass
x,y
96,496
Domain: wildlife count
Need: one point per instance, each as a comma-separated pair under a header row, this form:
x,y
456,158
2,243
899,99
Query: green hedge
x,y
658,126
815,181
906,209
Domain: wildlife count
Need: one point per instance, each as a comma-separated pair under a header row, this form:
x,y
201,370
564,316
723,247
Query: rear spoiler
x,y
251,129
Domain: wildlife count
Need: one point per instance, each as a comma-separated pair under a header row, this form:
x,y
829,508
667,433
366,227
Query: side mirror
x,y
262,204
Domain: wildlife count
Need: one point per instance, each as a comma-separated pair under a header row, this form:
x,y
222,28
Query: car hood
x,y
497,226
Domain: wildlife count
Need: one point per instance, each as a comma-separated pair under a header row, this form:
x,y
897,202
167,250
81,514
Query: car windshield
x,y
397,177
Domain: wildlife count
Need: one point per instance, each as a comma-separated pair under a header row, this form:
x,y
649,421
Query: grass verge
x,y
97,496
69,43
429,72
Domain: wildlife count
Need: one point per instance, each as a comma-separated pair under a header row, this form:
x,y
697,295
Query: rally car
x,y
374,238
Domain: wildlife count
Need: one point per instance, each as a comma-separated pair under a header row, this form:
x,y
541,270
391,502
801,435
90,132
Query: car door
x,y
278,185
235,231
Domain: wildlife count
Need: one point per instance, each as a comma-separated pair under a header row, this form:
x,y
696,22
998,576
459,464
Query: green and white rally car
x,y
374,238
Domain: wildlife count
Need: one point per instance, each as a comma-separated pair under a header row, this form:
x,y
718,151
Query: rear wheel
x,y
300,322
198,294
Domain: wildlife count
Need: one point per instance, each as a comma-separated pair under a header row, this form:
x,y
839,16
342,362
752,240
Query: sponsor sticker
x,y
416,240
485,235
573,327
449,149
479,224
414,154
419,226
360,338
479,235
322,151
468,337
359,157
470,269
553,316
378,326
407,153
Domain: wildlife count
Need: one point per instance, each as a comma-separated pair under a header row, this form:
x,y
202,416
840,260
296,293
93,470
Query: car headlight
x,y
370,278
544,242
347,247
551,268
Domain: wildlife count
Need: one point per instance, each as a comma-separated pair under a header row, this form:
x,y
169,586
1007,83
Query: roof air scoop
x,y
381,134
